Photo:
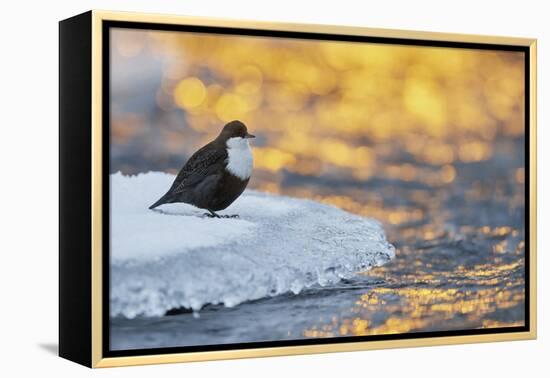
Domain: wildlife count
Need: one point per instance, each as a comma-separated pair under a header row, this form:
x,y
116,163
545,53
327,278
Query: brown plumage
x,y
210,180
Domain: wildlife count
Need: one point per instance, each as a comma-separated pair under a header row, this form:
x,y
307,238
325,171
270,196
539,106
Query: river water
x,y
460,260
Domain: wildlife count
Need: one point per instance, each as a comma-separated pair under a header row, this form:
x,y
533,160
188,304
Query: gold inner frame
x,y
97,254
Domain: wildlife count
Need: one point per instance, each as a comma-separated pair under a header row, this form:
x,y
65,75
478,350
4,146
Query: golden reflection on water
x,y
399,126
419,308
420,292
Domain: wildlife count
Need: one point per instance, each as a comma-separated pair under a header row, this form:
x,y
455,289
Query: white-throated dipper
x,y
215,175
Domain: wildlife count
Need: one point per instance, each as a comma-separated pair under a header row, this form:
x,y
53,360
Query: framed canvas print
x,y
234,189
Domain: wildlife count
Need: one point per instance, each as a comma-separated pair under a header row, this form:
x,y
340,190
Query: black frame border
x,y
107,25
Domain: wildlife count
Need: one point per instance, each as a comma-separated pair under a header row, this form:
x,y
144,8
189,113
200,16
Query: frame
x,y
84,188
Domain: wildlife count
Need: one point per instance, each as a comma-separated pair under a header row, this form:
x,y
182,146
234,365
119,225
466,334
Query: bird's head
x,y
235,129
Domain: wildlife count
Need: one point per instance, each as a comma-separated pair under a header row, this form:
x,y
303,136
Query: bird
x,y
216,175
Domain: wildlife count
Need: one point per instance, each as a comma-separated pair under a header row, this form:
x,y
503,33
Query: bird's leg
x,y
211,214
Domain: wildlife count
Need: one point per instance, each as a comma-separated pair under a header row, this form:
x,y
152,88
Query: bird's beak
x,y
248,136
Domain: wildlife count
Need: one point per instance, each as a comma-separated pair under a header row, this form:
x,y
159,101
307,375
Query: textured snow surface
x,y
175,258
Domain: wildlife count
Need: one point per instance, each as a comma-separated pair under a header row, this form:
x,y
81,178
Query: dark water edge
x,y
460,264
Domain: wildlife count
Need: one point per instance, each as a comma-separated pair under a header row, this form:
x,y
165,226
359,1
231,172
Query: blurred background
x,y
430,141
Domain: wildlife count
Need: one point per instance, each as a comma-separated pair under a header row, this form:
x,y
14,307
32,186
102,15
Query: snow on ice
x,y
176,258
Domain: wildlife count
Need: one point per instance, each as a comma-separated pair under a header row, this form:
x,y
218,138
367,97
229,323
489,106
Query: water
x,y
460,260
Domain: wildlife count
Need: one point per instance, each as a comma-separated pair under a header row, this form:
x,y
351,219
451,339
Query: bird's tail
x,y
162,200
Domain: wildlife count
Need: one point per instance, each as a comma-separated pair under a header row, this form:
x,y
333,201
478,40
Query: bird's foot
x,y
212,214
233,216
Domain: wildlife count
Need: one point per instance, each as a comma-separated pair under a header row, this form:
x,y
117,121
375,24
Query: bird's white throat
x,y
239,157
